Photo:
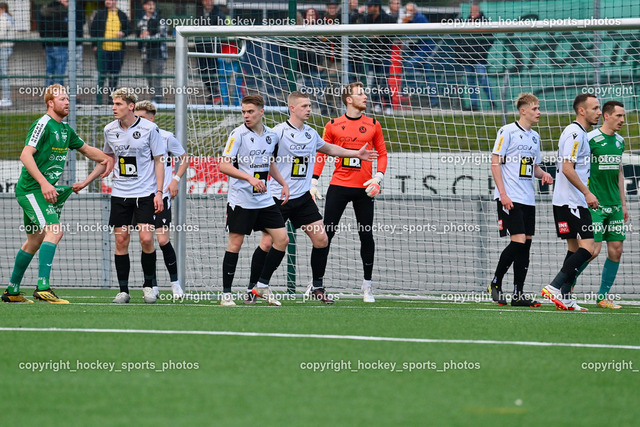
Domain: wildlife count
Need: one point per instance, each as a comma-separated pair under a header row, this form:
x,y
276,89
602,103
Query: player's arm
x,y
496,171
96,155
544,176
158,165
101,169
182,169
569,170
622,188
26,157
321,159
373,185
227,168
337,151
275,173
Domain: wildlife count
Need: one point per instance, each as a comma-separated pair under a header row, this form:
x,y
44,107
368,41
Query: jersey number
x,y
526,167
128,166
300,167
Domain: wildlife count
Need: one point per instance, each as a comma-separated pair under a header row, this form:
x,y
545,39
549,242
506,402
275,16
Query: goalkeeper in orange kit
x,y
352,179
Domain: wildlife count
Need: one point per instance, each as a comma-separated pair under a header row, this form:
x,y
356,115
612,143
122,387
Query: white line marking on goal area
x,y
317,336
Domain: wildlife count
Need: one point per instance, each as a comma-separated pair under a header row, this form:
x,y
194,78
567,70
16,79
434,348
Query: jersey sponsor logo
x,y
257,152
574,150
500,226
229,146
500,141
128,166
299,167
262,176
137,135
526,167
575,135
563,227
351,162
362,129
348,139
525,147
294,147
55,158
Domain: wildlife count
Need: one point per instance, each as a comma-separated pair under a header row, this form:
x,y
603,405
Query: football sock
x,y
23,259
229,263
171,261
507,257
367,250
521,266
148,268
570,268
271,263
609,272
123,265
257,265
45,259
318,265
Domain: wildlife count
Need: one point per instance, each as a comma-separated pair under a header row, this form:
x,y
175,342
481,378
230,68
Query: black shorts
x,y
243,221
338,198
300,211
521,219
573,223
129,211
163,219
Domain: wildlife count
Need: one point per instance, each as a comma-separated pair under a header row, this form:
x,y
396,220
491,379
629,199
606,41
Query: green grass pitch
x,y
472,363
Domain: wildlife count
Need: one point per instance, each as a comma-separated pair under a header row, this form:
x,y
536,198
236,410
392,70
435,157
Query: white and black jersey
x,y
295,158
174,149
519,151
573,146
250,153
133,149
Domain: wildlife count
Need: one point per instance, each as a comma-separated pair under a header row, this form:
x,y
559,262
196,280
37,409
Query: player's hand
x,y
547,178
373,185
78,186
172,188
366,155
49,192
109,162
315,193
284,194
258,184
506,202
625,213
158,204
592,200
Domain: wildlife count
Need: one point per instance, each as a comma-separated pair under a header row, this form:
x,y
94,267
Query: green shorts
x,y
608,223
38,212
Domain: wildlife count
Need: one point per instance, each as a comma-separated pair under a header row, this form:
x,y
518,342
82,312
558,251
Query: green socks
x,y
45,259
23,259
609,272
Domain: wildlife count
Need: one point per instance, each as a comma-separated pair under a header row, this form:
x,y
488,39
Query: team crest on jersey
x,y
137,135
57,136
534,139
308,135
63,132
343,127
362,129
268,139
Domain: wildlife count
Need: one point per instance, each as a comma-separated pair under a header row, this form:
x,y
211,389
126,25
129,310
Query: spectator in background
x,y
395,11
153,53
332,13
378,57
310,63
229,68
109,23
417,55
357,70
211,15
54,23
472,53
7,31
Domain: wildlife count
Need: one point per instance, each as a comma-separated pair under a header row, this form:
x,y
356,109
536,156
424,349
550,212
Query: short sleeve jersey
x,y
295,158
519,151
351,133
251,153
606,158
174,149
52,140
134,149
573,146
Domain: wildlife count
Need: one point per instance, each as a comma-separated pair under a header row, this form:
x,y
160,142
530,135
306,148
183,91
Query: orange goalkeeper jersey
x,y
352,134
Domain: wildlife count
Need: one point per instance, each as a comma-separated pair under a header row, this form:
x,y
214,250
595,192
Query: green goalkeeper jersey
x,y
606,157
52,140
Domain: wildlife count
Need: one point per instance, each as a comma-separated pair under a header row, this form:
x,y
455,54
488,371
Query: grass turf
x,y
242,380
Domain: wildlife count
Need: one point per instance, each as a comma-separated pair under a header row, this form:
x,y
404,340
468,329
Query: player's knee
x,y
163,238
266,242
280,241
321,241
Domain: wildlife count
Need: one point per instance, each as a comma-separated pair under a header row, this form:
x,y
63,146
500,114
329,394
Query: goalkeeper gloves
x,y
373,185
315,194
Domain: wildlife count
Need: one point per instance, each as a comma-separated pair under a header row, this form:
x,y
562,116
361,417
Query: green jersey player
x,y
44,156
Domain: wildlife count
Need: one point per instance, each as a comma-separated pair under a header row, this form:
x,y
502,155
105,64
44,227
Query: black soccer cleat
x,y
523,301
318,294
249,298
496,294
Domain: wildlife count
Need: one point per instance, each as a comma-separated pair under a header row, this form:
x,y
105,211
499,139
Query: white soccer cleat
x,y
367,293
148,295
227,300
307,293
177,290
122,298
266,294
572,305
552,293
156,291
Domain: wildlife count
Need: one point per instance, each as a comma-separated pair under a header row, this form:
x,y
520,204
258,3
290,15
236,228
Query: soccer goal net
x,y
440,92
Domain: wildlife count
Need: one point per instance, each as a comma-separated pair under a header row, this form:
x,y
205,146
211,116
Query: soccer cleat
x,y
148,295
156,291
318,294
367,293
122,298
227,300
249,298
523,301
572,305
553,294
266,294
604,303
177,290
307,292
496,294
7,297
48,296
